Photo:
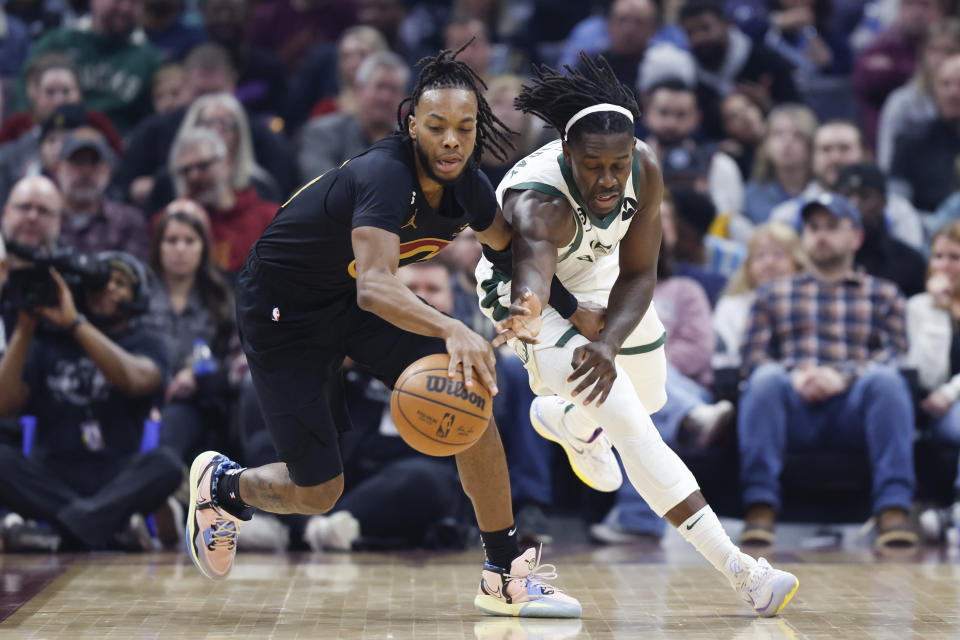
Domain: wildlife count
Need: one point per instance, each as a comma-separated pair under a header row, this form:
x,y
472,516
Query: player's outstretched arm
x,y
632,292
377,253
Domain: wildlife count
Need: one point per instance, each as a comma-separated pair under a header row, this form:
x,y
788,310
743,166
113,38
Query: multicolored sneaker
x,y
522,592
592,460
211,531
764,588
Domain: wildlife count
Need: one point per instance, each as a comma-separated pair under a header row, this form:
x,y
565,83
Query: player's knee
x,y
319,498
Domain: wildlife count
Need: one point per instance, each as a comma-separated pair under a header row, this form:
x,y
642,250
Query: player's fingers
x,y
501,338
455,361
578,357
606,392
586,382
519,310
488,376
598,391
467,371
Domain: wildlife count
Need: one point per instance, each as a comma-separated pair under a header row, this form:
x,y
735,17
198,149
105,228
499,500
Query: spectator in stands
x,y
479,55
90,385
932,320
31,217
395,23
773,252
727,61
500,95
881,254
671,115
20,158
261,76
201,170
324,85
837,144
190,302
708,259
327,141
783,166
167,90
888,62
830,384
743,129
168,28
222,113
92,221
289,27
114,62
15,41
51,82
631,24
208,70
911,106
924,160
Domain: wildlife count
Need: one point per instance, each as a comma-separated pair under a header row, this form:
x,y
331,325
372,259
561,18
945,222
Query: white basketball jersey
x,y
588,266
591,261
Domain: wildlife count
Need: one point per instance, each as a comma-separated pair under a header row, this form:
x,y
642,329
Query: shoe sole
x,y
196,470
530,609
793,586
545,432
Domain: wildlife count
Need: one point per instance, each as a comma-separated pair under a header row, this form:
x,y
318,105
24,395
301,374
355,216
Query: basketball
x,y
435,414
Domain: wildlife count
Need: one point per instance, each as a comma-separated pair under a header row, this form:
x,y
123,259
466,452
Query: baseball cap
x,y
835,204
77,140
66,116
862,175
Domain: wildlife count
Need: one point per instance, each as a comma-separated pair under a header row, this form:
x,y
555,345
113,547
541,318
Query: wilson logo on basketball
x,y
455,388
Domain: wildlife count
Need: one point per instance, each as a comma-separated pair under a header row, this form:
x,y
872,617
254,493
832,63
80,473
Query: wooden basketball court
x,y
626,591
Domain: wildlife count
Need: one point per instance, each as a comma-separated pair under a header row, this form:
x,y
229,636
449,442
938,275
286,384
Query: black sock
x,y
501,546
228,495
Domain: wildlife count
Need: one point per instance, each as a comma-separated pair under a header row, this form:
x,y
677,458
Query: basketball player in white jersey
x,y
586,208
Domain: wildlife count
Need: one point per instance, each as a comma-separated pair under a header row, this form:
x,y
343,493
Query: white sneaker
x,y
593,461
338,531
764,588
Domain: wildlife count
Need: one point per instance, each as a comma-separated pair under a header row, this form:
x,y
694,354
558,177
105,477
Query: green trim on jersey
x,y
542,187
492,299
577,239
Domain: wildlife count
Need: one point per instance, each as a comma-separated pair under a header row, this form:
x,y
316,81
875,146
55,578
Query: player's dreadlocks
x,y
446,72
556,97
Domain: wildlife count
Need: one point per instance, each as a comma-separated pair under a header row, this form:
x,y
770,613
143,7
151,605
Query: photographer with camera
x,y
90,385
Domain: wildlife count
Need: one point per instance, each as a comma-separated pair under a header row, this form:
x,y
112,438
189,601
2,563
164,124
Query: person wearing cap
x,y
92,221
882,254
90,384
821,352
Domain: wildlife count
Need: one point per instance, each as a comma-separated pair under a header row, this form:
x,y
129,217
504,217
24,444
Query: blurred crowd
x,y
809,273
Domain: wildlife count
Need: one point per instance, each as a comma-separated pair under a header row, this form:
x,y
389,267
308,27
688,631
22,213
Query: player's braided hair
x,y
556,97
444,71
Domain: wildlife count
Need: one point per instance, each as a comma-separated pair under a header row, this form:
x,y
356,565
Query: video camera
x,y
33,286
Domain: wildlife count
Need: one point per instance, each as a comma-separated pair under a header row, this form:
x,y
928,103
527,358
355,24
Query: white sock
x,y
704,531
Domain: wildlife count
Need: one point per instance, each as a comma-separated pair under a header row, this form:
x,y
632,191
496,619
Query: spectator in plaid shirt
x,y
821,351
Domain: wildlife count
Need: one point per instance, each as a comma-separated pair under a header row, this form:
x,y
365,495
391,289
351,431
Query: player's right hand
x,y
589,319
524,321
471,350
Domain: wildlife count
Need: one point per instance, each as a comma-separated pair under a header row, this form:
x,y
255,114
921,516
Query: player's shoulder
x,y
392,153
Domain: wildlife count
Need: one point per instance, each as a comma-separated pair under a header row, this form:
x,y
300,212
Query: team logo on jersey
x,y
585,258
628,208
410,252
412,222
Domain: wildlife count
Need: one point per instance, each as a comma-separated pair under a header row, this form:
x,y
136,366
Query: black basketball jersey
x,y
309,240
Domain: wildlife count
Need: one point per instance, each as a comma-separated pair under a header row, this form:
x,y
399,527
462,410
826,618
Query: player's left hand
x,y
524,321
65,312
595,360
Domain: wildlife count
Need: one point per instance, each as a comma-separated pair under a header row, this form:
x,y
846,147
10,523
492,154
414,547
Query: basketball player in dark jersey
x,y
320,284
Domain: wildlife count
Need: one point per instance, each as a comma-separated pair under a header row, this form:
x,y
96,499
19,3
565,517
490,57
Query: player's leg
x,y
658,474
294,389
509,582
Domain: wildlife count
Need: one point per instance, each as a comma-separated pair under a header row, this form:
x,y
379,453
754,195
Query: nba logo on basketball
x,y
275,314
